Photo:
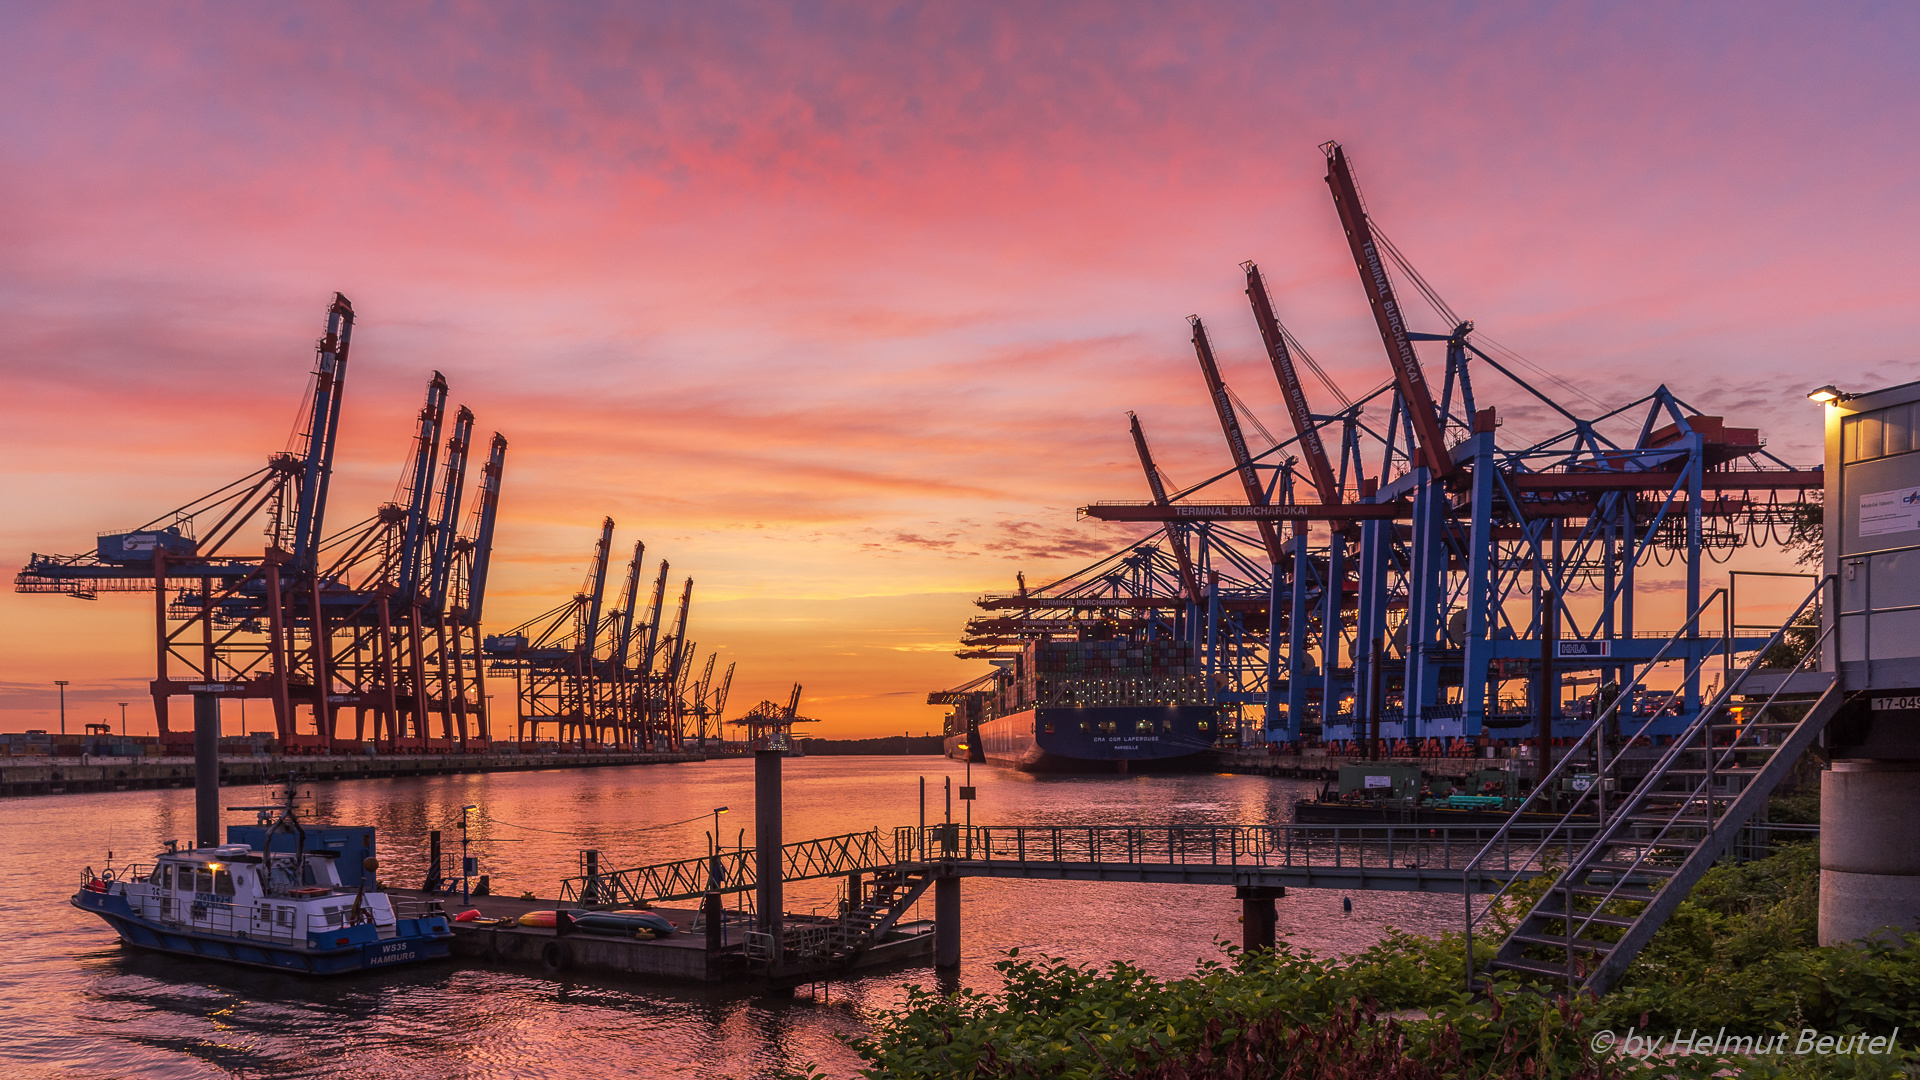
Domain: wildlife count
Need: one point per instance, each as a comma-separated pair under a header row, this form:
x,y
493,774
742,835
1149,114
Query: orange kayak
x,y
537,918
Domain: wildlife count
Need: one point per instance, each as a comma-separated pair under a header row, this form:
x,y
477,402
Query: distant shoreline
x,y
895,745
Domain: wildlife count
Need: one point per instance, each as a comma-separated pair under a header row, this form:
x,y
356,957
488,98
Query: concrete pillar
x,y
1869,850
206,770
946,922
769,874
1258,918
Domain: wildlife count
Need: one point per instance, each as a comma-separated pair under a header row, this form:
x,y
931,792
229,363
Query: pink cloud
x,y
770,286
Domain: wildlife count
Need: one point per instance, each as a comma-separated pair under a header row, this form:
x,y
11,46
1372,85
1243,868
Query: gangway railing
x,y
1278,846
686,879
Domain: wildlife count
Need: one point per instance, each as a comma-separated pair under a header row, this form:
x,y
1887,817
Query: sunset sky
x,y
841,307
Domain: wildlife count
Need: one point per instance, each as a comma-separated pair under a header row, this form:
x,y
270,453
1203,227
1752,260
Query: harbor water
x,y
74,1003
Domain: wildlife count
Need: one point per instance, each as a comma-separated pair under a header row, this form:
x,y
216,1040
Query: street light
x,y
62,684
717,811
1826,395
123,719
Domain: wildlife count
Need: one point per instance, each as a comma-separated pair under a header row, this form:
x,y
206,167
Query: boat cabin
x,y
293,899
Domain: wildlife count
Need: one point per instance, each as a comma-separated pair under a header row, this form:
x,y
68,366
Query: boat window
x,y
286,916
306,874
203,880
222,882
1201,725
162,876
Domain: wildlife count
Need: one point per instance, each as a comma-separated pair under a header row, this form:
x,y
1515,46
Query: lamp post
x,y
717,811
123,719
62,684
966,795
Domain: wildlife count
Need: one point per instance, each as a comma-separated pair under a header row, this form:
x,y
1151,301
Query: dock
x,y
46,775
688,955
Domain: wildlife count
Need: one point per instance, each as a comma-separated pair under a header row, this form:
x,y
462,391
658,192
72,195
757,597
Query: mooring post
x,y
1258,918
433,858
767,871
206,770
715,911
946,922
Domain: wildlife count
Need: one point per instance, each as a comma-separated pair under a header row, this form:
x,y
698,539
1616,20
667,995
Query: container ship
x,y
1113,706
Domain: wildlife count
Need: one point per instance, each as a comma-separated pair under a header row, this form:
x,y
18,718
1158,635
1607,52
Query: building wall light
x,y
1826,395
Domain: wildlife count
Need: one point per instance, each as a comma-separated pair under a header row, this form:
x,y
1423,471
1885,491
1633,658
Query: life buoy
x,y
556,956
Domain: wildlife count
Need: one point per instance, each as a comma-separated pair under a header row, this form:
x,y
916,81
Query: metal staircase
x,y
1655,841
869,917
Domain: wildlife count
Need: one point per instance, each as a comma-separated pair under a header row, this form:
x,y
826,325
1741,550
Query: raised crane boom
x,y
1175,539
323,429
629,600
596,588
420,488
720,699
447,521
1236,442
1319,468
1407,375
647,654
488,509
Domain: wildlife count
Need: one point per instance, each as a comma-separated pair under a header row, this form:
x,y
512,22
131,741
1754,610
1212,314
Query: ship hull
x,y
1103,739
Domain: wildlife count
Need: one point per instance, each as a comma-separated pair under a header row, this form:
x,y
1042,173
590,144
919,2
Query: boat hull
x,y
1101,739
418,940
1320,812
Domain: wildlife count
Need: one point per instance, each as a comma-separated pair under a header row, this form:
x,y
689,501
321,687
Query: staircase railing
x,y
1701,796
1594,739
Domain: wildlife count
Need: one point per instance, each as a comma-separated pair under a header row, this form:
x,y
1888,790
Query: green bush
x,y
1739,954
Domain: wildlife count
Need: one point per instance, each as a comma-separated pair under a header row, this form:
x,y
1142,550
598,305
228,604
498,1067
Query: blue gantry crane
x,y
1443,588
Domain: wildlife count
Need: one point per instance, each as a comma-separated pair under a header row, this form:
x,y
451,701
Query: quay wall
x,y
74,775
